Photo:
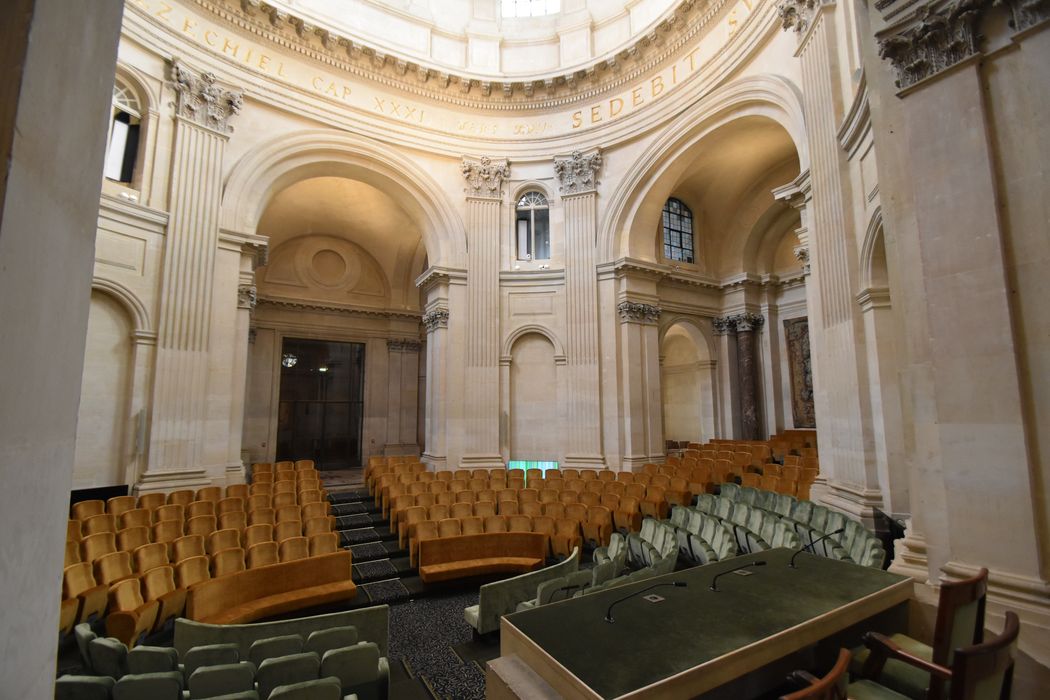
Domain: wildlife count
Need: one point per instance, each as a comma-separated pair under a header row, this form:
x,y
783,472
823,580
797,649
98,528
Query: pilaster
x,y
578,178
203,111
640,368
484,193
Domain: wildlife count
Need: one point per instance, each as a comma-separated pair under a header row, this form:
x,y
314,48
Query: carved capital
x,y
722,325
796,14
485,176
747,322
935,38
802,255
579,172
633,312
433,320
402,345
246,296
201,100
1026,13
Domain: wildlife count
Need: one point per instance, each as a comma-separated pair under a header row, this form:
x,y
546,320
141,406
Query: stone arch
x,y
692,327
513,336
285,160
653,175
131,304
873,272
148,100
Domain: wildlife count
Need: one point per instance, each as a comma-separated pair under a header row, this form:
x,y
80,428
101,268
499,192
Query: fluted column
x,y
178,431
578,177
746,327
484,232
435,450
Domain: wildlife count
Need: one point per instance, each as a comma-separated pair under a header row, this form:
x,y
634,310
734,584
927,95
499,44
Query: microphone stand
x,y
714,581
608,613
813,544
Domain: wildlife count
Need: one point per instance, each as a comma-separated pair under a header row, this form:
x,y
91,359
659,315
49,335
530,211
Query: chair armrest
x,y
883,648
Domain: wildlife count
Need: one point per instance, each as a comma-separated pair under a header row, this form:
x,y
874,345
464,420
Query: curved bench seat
x,y
254,594
447,558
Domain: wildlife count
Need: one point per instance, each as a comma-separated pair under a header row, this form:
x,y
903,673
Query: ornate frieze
x,y
201,100
747,322
936,37
579,172
402,345
485,176
631,311
246,296
433,320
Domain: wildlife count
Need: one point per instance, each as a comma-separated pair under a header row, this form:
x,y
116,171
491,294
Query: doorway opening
x,y
321,402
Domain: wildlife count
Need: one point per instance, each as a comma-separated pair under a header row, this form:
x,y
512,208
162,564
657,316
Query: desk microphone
x,y
608,613
812,544
714,581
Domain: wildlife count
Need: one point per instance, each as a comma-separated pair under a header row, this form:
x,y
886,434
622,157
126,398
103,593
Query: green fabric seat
x,y
320,689
83,635
321,641
145,659
360,670
149,686
272,647
897,675
209,655
223,679
286,670
84,688
109,657
867,690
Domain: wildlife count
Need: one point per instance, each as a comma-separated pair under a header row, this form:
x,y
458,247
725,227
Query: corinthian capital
x,y
579,172
631,311
934,38
201,100
747,322
485,176
433,320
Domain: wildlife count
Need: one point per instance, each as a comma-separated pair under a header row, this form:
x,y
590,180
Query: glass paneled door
x,y
321,403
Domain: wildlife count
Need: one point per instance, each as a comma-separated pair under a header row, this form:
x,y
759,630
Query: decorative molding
x,y
403,345
747,322
722,325
485,176
802,255
201,100
247,297
440,275
797,14
633,312
1026,13
433,320
857,123
874,298
303,305
934,38
579,172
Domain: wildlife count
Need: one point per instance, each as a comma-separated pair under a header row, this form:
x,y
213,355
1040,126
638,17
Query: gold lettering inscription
x,y
636,97
596,114
657,85
163,12
577,119
210,37
615,106
227,44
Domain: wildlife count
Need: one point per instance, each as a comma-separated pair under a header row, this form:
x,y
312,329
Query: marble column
x,y
203,111
484,192
577,176
747,325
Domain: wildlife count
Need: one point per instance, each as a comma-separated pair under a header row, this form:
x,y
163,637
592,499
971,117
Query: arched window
x,y
678,231
123,144
532,226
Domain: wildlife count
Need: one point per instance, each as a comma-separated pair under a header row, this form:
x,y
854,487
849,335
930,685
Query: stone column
x,y
402,396
746,325
642,408
436,323
178,430
484,232
578,177
728,414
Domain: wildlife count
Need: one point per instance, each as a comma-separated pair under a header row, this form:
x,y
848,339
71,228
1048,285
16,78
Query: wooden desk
x,y
696,640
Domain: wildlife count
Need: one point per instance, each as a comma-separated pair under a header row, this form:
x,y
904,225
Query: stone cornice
x,y
143,216
200,99
678,27
578,173
304,305
664,273
439,275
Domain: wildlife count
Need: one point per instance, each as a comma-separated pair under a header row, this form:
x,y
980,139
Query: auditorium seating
x,y
128,538
445,558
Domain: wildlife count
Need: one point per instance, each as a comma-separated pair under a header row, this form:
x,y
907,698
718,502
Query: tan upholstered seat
x,y
150,556
188,546
227,561
324,543
294,548
262,554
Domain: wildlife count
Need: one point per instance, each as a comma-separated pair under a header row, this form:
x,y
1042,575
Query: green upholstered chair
x,y
833,686
146,659
960,623
209,655
360,670
286,670
84,688
321,641
982,671
272,647
320,689
109,657
83,634
223,679
149,686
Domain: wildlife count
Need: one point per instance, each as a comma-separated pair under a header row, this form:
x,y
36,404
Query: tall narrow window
x,y
678,231
123,144
532,227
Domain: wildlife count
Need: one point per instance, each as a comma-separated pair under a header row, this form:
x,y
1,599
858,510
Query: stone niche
x,y
323,267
